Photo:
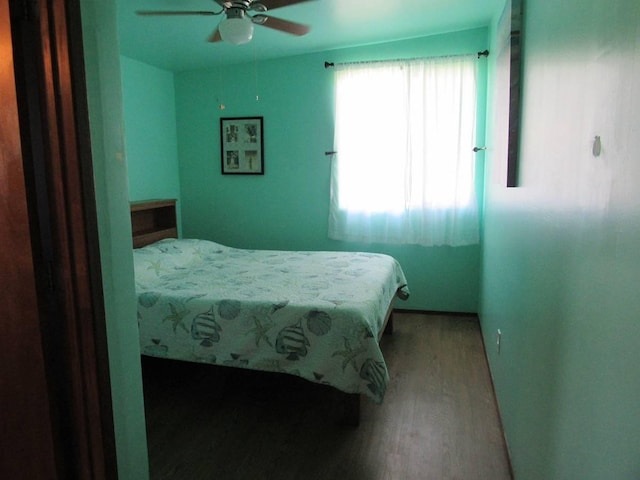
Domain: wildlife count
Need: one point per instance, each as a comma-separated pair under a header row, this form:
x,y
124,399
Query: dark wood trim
x,y
436,312
57,150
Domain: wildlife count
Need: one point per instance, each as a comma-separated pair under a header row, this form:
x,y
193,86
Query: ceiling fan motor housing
x,y
246,5
235,12
243,4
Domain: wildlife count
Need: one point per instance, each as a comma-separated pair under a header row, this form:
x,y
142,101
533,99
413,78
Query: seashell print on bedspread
x,y
316,315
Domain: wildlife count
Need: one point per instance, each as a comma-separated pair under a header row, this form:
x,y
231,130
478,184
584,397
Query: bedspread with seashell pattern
x,y
316,315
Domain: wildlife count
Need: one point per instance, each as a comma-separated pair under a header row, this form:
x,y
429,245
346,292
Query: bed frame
x,y
153,220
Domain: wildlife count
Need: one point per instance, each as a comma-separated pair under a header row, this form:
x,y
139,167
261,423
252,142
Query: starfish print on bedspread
x,y
178,312
260,331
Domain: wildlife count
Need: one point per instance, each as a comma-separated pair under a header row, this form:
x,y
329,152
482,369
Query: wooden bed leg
x,y
348,408
388,329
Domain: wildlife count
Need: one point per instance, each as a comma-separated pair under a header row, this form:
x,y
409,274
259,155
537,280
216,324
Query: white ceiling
x,y
179,43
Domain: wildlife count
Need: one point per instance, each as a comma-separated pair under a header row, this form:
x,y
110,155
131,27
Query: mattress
x,y
316,315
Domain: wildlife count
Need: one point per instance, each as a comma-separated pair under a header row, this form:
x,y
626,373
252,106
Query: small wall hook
x,y
597,146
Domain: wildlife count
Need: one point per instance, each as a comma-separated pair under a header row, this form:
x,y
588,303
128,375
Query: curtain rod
x,y
484,53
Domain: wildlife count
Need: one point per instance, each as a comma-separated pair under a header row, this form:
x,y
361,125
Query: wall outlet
x,y
498,340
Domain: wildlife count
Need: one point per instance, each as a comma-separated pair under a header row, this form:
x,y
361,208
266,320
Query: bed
x,y
315,315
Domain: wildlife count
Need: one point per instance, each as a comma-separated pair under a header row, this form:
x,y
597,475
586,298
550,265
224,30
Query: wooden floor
x,y
438,420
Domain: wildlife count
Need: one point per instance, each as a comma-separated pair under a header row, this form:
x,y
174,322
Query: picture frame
x,y
515,91
242,146
508,92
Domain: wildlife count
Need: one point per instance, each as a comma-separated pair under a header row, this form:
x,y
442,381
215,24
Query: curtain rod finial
x,y
328,64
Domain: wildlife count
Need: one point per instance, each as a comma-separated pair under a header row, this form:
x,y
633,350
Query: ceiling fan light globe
x,y
236,30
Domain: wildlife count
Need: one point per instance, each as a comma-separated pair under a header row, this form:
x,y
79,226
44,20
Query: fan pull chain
x,y
255,71
220,104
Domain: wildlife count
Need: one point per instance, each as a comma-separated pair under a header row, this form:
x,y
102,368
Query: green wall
x,y
114,227
150,127
561,263
288,207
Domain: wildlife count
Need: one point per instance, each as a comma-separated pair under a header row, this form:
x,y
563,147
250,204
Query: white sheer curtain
x,y
405,168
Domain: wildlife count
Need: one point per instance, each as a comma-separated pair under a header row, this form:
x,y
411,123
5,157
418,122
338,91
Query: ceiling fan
x,y
237,26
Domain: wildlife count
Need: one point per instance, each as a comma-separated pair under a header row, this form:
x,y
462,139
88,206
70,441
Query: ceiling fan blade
x,y
282,25
215,36
271,4
173,12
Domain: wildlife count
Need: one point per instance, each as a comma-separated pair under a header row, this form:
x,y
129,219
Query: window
x,y
405,168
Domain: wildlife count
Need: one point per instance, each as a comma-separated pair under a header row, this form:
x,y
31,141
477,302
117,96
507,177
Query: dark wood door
x,y
27,448
55,399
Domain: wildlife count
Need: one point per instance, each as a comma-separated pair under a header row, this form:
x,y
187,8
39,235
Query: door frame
x,y
56,148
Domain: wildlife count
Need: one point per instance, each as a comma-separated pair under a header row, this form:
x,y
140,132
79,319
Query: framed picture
x,y
508,93
242,147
